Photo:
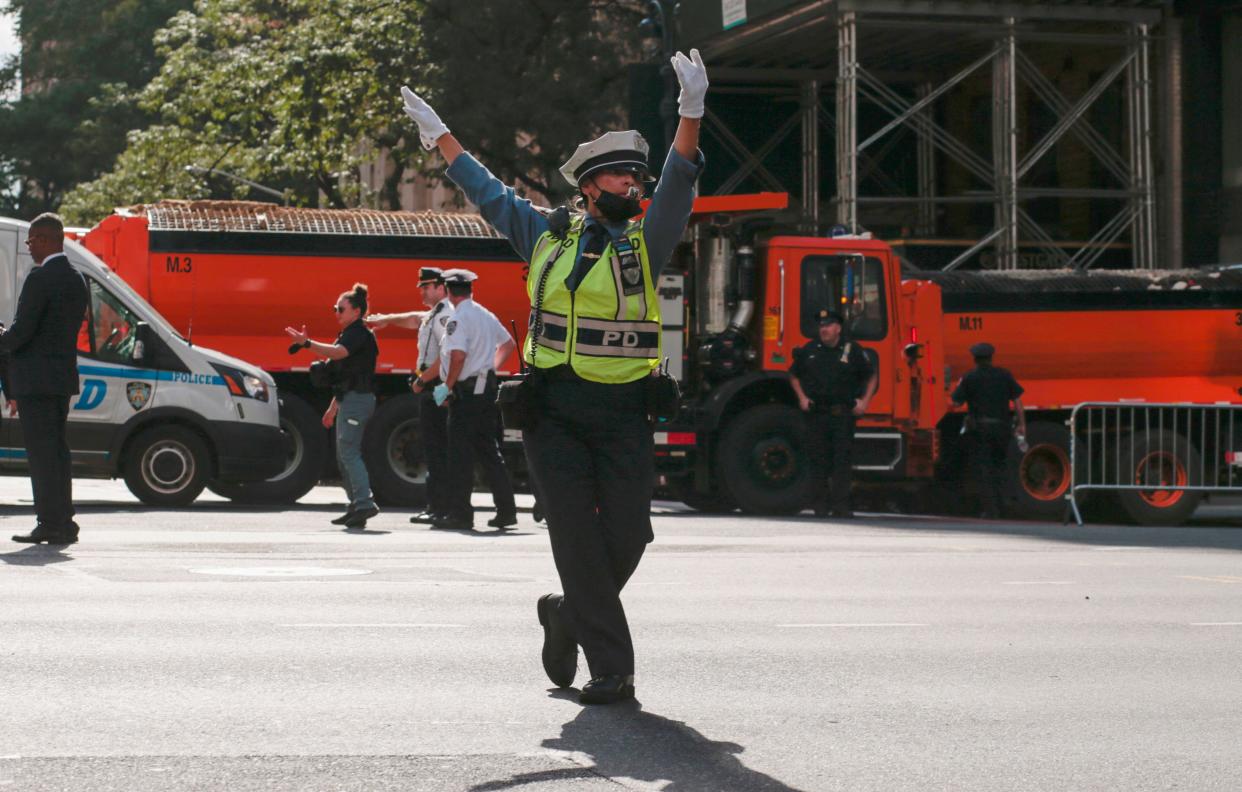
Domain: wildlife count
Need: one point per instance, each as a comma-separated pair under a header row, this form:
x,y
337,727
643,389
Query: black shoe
x,y
426,517
344,518
822,512
65,537
560,652
843,514
359,518
607,689
503,521
452,524
536,513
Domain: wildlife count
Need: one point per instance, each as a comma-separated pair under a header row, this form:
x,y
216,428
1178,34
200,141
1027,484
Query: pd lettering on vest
x,y
626,339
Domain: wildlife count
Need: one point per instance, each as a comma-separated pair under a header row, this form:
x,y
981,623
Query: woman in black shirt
x,y
352,359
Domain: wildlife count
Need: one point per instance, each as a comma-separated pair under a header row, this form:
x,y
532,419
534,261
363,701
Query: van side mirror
x,y
913,352
142,341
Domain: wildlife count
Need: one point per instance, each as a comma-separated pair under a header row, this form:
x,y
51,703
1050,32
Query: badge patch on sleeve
x,y
451,327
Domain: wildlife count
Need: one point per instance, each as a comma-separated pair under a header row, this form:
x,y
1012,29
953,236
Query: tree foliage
x,y
75,54
523,82
298,94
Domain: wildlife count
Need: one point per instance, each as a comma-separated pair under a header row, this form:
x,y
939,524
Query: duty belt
x,y
476,385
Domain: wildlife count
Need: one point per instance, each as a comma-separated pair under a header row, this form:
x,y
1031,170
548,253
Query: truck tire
x,y
167,465
761,463
1040,479
1159,458
306,452
394,455
713,502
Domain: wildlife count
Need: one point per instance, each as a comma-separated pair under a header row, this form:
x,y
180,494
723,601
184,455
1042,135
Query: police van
x,y
168,417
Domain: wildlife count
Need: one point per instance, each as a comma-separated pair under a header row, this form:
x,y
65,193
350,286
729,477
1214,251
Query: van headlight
x,y
240,383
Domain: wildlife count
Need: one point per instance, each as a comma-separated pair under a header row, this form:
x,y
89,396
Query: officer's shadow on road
x,y
36,555
624,742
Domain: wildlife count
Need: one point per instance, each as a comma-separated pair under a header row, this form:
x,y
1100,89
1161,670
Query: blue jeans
x,y
354,409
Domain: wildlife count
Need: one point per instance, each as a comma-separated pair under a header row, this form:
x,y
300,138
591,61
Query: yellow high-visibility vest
x,y
608,329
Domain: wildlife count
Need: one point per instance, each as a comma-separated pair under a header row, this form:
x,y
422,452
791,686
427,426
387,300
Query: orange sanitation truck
x,y
739,296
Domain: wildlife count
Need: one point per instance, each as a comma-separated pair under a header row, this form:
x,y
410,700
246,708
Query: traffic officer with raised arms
x,y
988,390
593,346
475,344
433,422
834,383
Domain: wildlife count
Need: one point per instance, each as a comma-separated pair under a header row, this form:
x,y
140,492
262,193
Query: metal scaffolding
x,y
915,53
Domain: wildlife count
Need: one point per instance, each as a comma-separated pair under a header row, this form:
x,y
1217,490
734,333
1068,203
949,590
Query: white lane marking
x,y
1121,547
1038,583
370,625
857,624
279,571
1213,578
1216,624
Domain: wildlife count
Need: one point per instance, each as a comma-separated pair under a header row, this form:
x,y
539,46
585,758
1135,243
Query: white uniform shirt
x,y
431,334
476,331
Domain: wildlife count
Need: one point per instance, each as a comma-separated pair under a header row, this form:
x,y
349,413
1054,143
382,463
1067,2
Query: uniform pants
x,y
989,449
473,423
591,454
831,444
433,423
42,418
354,410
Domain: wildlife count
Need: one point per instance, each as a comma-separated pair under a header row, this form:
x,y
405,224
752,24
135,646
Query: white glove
x,y
430,127
693,78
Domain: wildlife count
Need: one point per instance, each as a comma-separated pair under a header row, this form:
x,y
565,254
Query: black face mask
x,y
618,208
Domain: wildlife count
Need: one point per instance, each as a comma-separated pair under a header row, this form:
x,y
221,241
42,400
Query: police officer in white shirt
x,y
475,344
433,422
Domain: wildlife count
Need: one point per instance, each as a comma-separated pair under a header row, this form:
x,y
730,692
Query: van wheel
x,y
1040,479
393,451
167,466
306,452
762,463
1159,459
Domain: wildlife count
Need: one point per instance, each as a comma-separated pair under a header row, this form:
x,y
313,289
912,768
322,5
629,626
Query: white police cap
x,y
611,150
459,276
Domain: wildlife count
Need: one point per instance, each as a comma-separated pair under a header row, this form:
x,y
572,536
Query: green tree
x,y
79,60
291,93
523,82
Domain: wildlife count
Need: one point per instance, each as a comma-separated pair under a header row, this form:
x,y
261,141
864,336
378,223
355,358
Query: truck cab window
x,y
850,285
112,326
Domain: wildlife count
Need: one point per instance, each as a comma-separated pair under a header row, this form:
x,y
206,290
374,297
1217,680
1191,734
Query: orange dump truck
x,y
739,296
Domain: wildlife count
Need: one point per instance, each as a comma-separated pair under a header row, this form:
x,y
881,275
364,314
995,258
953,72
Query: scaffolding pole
x,y
810,156
1005,148
847,122
1138,95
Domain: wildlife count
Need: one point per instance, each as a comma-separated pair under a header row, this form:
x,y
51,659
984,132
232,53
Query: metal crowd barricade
x,y
1156,449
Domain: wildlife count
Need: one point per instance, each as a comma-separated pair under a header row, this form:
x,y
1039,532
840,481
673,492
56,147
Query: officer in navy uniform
x,y
593,345
834,383
432,421
987,390
475,343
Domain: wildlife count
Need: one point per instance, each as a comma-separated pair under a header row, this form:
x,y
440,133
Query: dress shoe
x,y
560,651
65,537
425,517
344,518
452,524
607,689
358,519
503,521
822,511
536,513
843,514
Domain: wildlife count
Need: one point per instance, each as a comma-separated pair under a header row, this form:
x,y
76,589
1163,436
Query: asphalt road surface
x,y
227,648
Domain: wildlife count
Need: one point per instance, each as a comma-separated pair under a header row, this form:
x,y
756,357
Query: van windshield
x,y
145,312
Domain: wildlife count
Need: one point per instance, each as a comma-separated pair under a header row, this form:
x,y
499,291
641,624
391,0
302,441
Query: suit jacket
x,y
41,346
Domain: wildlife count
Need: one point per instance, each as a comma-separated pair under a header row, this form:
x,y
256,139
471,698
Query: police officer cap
x,y
827,317
428,275
459,276
982,350
613,150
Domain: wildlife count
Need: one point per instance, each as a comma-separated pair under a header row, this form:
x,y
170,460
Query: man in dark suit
x,y
42,373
